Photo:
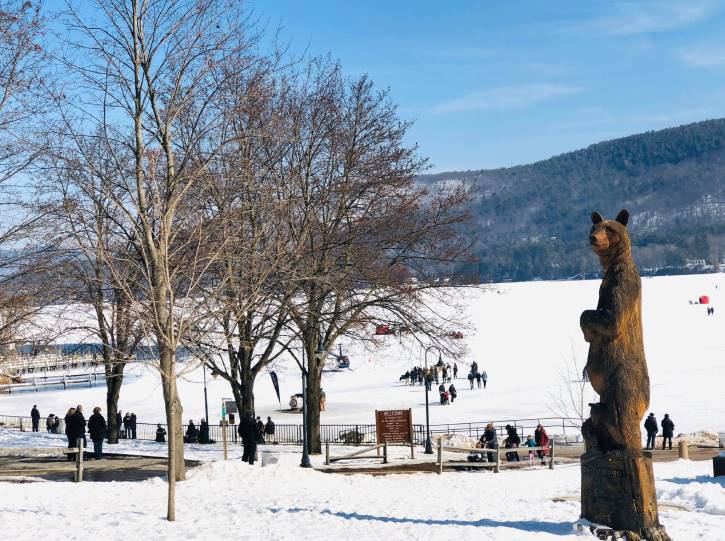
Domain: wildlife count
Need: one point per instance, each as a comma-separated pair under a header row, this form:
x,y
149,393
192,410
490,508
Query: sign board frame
x,y
394,426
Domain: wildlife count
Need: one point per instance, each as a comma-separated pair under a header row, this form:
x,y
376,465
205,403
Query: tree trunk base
x,y
618,496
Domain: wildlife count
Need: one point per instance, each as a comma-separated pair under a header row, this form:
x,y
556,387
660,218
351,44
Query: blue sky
x,y
493,83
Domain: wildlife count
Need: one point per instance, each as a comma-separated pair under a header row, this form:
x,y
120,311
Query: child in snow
x,y
532,454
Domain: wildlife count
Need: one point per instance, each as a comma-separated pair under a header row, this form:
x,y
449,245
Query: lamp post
x,y
428,443
206,401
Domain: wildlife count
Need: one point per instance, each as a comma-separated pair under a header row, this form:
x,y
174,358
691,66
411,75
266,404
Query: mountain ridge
x,y
531,221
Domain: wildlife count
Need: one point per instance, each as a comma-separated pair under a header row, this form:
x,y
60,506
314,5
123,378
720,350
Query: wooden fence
x,y
495,452
44,452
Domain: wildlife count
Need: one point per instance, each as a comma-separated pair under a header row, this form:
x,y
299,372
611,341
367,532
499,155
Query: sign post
x,y
395,426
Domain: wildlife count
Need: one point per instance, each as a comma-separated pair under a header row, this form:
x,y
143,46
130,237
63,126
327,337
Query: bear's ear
x,y
623,216
596,218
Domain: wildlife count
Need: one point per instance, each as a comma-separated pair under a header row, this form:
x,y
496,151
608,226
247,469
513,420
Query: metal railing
x,y
565,430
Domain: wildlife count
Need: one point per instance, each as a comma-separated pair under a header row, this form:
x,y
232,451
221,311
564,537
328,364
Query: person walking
x,y
455,371
35,416
132,425
668,430
269,431
160,434
250,434
478,379
69,430
471,377
484,378
650,425
97,431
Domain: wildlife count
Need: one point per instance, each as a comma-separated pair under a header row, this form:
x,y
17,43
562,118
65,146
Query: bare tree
x,y
149,74
89,232
366,238
23,254
571,394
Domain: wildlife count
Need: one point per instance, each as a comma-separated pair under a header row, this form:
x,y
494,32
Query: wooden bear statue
x,y
616,366
618,488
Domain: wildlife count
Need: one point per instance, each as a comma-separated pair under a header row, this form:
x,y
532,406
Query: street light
x,y
206,402
428,443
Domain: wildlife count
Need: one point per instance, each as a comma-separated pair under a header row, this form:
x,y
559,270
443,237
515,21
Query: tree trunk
x,y
247,382
173,414
113,392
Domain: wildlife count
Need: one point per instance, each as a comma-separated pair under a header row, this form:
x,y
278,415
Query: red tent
x,y
704,299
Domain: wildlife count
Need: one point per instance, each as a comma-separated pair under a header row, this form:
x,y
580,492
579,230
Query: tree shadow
x,y
698,479
532,526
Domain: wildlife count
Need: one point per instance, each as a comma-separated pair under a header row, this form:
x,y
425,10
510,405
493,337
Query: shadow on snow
x,y
555,528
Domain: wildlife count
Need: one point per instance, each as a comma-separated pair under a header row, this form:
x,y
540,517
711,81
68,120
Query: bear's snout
x,y
592,239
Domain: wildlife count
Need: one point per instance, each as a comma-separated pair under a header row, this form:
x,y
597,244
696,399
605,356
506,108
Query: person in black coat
x,y
668,430
35,416
132,425
650,425
69,431
512,442
490,440
250,434
76,427
453,392
260,426
204,432
160,434
269,431
97,431
192,434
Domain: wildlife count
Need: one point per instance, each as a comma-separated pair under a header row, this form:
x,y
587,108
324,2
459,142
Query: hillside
x,y
531,221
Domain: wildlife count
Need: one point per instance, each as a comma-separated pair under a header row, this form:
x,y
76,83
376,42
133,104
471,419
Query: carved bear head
x,y
609,237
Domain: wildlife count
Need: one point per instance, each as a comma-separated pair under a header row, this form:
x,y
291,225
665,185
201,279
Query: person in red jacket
x,y
542,440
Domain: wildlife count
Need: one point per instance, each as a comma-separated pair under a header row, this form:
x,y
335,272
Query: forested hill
x,y
532,221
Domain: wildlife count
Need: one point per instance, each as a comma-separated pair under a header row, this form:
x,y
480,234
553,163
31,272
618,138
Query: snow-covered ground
x,y
231,500
521,334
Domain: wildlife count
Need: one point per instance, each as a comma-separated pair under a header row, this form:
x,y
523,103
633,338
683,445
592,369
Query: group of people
x,y
194,434
478,377
668,430
710,310
438,373
489,440
129,426
441,373
447,396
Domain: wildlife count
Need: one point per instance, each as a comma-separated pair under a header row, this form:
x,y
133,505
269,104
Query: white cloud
x,y
630,18
506,98
704,57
